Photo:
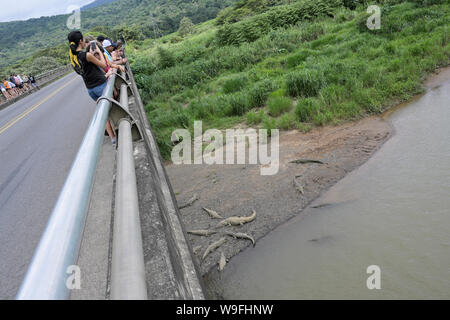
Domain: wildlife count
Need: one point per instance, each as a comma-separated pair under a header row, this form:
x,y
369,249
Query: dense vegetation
x,y
136,19
256,63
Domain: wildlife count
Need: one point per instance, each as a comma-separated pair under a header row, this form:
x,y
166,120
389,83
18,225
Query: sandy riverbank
x,y
235,190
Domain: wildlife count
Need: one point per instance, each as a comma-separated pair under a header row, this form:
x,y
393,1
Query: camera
x,y
93,46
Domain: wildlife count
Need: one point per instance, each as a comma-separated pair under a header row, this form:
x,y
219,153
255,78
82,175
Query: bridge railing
x,y
59,246
51,75
41,80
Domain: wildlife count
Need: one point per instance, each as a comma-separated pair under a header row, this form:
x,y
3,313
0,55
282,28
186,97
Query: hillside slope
x,y
293,64
145,18
96,3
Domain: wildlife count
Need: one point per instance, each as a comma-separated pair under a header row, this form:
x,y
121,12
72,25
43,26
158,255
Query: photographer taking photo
x,y
90,68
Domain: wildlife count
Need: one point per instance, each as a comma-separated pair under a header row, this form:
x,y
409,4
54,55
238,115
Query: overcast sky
x,y
26,9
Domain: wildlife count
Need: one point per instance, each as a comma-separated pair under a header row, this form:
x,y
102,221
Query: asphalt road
x,y
39,138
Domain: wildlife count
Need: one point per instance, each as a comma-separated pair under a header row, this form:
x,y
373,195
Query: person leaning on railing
x,y
32,80
112,52
90,68
4,91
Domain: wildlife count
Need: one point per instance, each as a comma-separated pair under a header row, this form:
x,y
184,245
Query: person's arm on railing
x,y
116,66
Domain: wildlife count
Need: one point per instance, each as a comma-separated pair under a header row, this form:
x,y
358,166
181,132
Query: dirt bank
x,y
236,190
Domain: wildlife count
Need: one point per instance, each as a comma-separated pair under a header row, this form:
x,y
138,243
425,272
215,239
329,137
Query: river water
x,y
392,212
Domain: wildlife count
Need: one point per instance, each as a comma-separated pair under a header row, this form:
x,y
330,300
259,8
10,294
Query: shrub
x,y
312,31
254,27
429,2
278,93
234,84
278,105
163,139
170,118
306,109
144,64
349,110
352,4
322,118
333,94
42,64
238,104
299,57
166,58
176,39
286,121
369,99
259,92
128,32
269,123
305,82
202,108
186,27
254,117
223,15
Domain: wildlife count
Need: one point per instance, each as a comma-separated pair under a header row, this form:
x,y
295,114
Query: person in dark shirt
x,y
32,80
91,69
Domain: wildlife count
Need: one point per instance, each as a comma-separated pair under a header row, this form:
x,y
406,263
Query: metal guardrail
x,y
59,245
41,79
58,70
127,266
186,271
51,75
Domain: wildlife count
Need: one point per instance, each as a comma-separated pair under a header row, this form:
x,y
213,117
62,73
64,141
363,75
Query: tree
x,y
186,27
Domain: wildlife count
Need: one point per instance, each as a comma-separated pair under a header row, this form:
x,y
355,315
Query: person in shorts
x,y
91,70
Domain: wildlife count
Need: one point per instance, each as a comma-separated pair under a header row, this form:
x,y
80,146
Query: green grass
x,y
305,82
334,67
254,117
278,105
235,83
286,121
269,124
307,109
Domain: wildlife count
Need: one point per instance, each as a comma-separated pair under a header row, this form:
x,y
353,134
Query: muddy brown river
x,y
392,212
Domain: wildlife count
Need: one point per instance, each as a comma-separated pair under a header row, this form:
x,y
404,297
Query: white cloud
x,y
26,9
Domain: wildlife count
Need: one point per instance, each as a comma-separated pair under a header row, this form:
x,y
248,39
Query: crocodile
x,y
303,161
241,236
236,221
189,202
222,262
213,214
203,233
214,246
196,249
